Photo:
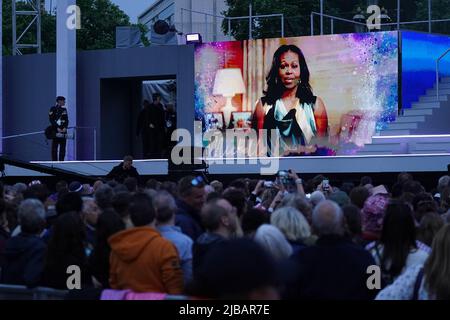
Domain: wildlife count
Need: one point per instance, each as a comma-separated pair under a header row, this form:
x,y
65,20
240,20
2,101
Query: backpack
x,y
50,133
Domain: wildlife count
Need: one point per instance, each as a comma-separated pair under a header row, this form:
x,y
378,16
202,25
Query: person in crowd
x,y
237,269
23,256
103,197
59,121
141,259
423,204
66,247
76,186
372,216
273,241
445,204
237,199
428,227
218,186
90,213
120,203
340,197
365,180
170,187
300,203
334,268
316,198
191,192
4,227
252,220
131,184
165,209
425,282
123,170
353,226
443,183
293,225
397,248
220,221
61,188
358,196
108,224
151,127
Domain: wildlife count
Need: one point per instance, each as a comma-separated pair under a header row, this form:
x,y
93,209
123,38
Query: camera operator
x,y
59,120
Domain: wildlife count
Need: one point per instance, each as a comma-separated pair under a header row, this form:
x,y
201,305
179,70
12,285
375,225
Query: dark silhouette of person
x,y
59,121
171,125
151,127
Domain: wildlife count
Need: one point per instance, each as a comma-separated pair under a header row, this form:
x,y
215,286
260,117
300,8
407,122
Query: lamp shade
x,y
228,82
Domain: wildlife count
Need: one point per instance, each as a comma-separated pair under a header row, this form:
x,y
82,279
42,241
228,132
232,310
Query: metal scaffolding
x,y
31,8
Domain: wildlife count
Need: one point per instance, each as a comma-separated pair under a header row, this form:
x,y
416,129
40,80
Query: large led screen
x,y
320,94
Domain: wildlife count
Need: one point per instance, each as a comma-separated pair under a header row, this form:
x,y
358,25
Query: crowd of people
x,y
289,239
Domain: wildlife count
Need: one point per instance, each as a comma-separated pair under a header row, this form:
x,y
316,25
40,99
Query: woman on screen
x,y
289,106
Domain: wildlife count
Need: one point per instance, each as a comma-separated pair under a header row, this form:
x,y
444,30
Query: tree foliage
x,y
99,19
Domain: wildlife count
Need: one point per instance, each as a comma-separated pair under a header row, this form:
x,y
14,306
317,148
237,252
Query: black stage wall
x,y
107,84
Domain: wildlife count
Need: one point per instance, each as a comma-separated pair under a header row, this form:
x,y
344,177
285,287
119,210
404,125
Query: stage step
x,y
442,85
441,91
433,98
418,112
432,146
390,132
402,126
407,119
445,80
373,153
382,147
426,105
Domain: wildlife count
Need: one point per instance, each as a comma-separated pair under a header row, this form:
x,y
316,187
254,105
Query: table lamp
x,y
228,83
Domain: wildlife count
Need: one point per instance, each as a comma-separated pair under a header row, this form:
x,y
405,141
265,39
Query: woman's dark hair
x,y
67,240
237,199
398,237
429,226
275,88
108,224
352,216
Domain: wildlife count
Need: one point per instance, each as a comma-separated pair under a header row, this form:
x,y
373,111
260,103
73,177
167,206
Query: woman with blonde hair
x,y
293,225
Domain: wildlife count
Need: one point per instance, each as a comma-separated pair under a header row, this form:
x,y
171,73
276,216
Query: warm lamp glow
x,y
228,83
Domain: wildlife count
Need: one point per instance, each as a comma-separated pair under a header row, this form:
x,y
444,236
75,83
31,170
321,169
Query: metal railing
x,y
229,20
437,71
15,136
396,24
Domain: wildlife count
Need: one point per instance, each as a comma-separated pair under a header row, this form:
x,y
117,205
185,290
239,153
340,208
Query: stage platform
x,y
307,165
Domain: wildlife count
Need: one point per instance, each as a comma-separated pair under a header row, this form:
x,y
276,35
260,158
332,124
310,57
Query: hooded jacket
x,y
23,258
143,261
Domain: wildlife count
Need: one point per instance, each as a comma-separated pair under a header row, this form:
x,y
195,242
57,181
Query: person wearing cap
x,y
59,120
75,186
